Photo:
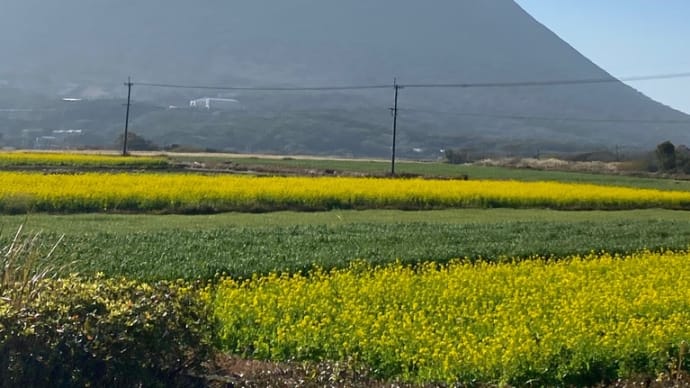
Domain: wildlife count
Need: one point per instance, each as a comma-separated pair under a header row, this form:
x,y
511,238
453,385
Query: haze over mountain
x,y
87,48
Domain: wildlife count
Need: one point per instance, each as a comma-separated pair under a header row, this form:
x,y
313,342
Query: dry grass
x,y
553,164
22,267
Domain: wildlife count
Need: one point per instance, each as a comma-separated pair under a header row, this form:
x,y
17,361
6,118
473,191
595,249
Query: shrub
x,y
666,155
79,332
454,156
137,143
683,159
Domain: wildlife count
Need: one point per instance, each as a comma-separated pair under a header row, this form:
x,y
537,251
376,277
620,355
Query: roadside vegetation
x,y
75,331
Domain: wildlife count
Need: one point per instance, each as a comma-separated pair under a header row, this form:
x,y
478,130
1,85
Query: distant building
x,y
46,143
59,139
214,103
29,136
68,132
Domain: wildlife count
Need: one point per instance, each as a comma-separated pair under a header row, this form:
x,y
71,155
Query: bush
x,y
456,156
74,332
666,155
683,159
136,143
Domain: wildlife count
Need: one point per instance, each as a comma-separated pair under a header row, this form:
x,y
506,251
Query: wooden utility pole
x,y
128,84
394,110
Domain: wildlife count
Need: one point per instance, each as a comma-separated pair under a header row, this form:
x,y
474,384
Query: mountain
x,y
87,48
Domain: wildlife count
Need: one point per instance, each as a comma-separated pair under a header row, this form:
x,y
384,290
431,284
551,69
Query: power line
x,y
396,86
336,112
422,85
545,118
264,89
550,82
13,110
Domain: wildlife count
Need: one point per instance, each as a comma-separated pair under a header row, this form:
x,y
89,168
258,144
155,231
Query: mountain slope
x,y
61,47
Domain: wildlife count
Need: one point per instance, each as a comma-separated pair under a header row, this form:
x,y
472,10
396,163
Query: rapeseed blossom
x,y
78,160
212,193
570,321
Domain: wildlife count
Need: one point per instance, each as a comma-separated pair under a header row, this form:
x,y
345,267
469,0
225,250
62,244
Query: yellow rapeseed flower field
x,y
577,321
67,159
21,191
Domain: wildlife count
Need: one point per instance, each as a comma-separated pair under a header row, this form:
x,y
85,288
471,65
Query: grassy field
x,y
239,244
436,169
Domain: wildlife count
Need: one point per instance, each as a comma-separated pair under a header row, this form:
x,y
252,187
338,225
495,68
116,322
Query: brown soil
x,y
233,371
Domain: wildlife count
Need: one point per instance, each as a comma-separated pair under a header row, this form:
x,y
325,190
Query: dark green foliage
x,y
666,155
167,247
672,159
683,159
104,332
137,143
454,156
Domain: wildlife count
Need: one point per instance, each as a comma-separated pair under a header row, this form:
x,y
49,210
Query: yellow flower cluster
x,y
66,159
187,192
576,321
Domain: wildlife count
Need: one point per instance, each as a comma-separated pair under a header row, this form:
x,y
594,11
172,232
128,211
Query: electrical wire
x,y
550,82
422,85
264,89
543,118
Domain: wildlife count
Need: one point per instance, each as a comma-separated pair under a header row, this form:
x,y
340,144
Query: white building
x,y
214,103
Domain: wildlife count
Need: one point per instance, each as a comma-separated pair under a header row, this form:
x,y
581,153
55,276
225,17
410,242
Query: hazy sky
x,y
627,38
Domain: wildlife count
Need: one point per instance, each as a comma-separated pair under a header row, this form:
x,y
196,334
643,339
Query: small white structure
x,y
46,143
214,103
66,132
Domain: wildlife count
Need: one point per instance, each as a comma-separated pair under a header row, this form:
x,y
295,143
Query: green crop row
x,y
169,247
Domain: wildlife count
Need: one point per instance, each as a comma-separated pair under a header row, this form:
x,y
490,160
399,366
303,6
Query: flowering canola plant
x,y
189,193
66,159
577,321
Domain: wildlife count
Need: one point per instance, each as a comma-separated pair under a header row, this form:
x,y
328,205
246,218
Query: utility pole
x,y
128,84
394,110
